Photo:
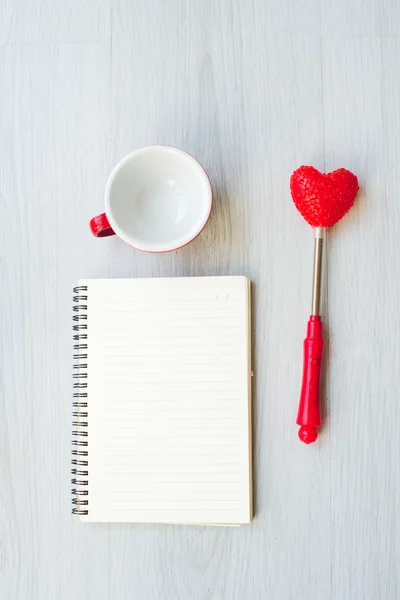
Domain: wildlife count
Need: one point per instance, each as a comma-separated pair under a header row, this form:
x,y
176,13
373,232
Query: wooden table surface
x,y
253,89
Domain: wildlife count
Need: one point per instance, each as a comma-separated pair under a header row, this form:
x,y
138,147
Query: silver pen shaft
x,y
317,277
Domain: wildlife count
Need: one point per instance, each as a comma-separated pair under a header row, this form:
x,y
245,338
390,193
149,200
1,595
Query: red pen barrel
x,y
309,413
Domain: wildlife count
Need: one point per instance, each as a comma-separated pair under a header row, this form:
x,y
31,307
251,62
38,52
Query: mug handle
x,y
100,227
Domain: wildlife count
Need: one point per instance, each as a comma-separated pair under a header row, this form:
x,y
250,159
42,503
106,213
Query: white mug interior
x,y
158,198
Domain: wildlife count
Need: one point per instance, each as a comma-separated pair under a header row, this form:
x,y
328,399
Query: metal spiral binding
x,y
79,460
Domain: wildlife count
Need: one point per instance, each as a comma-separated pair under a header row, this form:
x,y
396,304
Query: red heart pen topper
x,y
322,200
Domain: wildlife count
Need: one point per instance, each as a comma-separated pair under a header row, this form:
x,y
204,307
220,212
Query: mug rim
x,y
184,239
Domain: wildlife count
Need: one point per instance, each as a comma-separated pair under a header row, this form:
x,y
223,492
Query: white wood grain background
x,y
253,88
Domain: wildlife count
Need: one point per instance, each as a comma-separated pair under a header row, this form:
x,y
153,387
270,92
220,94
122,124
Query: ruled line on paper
x,y
173,323
143,342
190,421
186,495
129,386
191,472
192,445
167,301
126,434
200,421
180,485
165,403
168,452
172,435
178,510
221,412
183,400
148,504
147,367
187,481
179,395
165,458
217,340
171,484
118,378
230,491
180,319
122,314
155,352
173,430
169,363
144,406
182,478
190,417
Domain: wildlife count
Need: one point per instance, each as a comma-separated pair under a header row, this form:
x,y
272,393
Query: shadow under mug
x,y
157,198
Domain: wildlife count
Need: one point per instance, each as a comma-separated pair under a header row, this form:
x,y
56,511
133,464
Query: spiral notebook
x,y
161,417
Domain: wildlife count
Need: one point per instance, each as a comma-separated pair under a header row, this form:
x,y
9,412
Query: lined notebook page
x,y
169,400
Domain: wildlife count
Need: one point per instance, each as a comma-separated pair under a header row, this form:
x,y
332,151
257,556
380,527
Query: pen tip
x,y
308,435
